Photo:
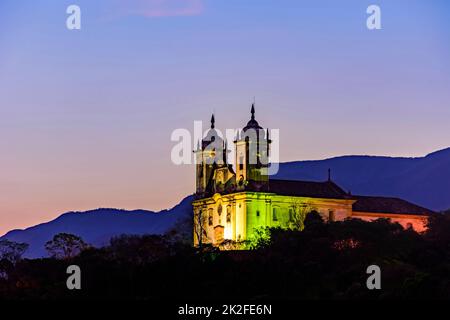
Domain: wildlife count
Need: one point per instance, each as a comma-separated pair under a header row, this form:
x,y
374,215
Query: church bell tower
x,y
209,155
252,154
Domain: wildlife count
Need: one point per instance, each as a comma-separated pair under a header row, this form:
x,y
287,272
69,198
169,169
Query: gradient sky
x,y
86,116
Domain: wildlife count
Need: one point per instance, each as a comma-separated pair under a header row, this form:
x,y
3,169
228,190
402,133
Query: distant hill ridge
x,y
98,226
423,180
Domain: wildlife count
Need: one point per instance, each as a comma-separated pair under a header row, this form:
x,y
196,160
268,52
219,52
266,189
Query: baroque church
x,y
232,203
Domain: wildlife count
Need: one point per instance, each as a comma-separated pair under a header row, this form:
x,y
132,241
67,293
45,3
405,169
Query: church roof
x,y
327,189
330,190
388,205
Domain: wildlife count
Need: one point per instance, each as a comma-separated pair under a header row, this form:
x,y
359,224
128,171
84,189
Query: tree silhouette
x,y
65,246
298,212
12,251
200,221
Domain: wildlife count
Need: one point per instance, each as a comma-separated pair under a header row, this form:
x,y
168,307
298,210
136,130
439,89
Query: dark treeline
x,y
325,261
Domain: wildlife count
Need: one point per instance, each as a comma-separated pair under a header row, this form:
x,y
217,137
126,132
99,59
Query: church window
x,y
219,209
274,214
228,214
331,216
210,217
257,213
241,163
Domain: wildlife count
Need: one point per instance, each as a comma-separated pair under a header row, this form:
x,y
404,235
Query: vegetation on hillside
x,y
324,261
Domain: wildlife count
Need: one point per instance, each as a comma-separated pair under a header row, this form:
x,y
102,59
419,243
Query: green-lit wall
x,y
252,210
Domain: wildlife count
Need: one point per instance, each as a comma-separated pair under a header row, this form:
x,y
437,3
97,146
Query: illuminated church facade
x,y
232,203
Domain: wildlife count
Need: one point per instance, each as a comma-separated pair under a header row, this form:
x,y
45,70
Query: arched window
x,y
275,214
241,163
219,209
210,217
228,214
331,216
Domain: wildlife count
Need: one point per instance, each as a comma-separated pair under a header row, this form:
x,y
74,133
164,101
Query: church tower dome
x,y
252,124
212,138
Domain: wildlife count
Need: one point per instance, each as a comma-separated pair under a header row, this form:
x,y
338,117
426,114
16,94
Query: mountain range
x,y
97,227
424,181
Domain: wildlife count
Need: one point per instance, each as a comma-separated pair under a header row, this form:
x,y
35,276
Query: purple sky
x,y
86,116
